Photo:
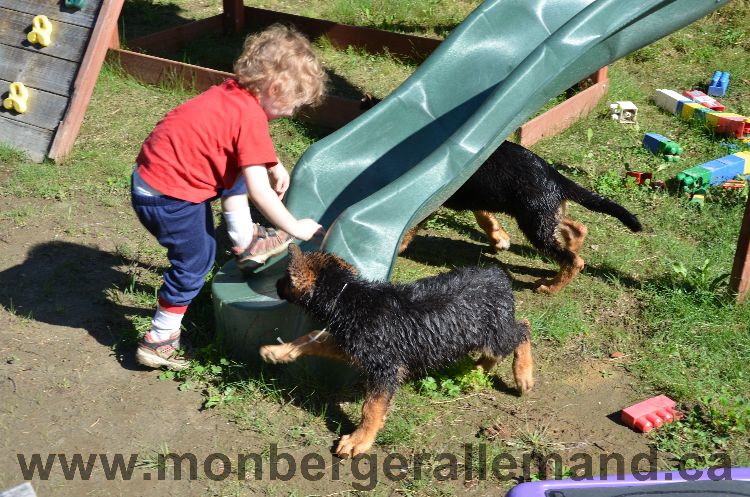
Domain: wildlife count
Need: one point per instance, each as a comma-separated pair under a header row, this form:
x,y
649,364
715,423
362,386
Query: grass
x,y
651,296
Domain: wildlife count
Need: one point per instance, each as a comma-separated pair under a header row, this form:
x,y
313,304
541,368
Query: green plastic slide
x,y
385,171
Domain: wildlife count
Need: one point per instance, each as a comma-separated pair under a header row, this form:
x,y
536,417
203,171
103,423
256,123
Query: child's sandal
x,y
161,354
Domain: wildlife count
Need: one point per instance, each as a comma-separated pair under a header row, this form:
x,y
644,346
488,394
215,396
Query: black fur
x,y
397,331
516,181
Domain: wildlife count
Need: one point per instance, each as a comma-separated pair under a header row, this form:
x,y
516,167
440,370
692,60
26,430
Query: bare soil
x,y
68,385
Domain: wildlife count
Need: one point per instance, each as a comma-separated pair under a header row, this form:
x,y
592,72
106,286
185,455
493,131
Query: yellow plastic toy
x,y
18,98
41,31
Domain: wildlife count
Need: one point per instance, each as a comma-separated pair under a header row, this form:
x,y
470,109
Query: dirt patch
x,y
69,385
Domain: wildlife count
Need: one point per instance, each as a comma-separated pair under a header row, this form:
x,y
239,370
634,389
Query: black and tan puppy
x,y
394,332
519,183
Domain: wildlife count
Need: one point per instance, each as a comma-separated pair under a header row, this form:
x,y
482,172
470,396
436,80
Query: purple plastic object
x,y
539,488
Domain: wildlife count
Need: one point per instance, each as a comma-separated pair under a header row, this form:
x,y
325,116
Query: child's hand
x,y
279,179
306,229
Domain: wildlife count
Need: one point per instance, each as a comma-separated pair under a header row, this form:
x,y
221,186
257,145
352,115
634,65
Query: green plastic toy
x,y
75,4
371,180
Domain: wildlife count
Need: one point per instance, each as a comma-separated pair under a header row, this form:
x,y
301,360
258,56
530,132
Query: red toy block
x,y
734,184
640,177
649,414
704,100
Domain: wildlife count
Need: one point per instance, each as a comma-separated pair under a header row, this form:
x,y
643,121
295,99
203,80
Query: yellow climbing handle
x,y
18,98
41,31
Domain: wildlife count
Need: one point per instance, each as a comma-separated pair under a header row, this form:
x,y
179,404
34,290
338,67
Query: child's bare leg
x,y
314,343
236,209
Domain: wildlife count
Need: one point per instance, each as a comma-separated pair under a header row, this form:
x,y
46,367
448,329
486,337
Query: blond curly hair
x,y
282,55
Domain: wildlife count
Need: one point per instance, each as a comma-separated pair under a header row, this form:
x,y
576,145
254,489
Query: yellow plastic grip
x,y
18,98
41,31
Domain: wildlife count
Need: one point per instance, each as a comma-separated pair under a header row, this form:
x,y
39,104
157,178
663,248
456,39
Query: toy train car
x,y
697,179
723,123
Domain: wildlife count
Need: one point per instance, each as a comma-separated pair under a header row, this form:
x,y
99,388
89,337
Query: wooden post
x,y
115,41
739,282
234,16
88,73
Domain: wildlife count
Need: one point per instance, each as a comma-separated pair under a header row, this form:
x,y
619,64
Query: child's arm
x,y
269,204
279,179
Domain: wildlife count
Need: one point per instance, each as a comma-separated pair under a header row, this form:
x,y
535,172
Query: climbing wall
x,y
58,78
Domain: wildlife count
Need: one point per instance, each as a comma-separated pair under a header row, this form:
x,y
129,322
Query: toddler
x,y
218,145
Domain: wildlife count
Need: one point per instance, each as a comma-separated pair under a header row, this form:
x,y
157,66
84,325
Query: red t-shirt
x,y
200,146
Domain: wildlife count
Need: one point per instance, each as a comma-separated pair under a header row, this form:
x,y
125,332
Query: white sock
x,y
239,227
164,324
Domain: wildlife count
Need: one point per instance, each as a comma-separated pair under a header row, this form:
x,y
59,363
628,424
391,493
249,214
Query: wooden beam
x,y
68,41
562,116
88,72
342,35
154,70
172,39
35,140
234,16
55,10
44,109
37,70
739,281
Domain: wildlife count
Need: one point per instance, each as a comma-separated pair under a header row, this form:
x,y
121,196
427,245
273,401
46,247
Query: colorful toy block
x,y
719,84
649,414
75,4
669,100
703,99
640,176
688,110
624,111
728,124
734,184
715,172
41,31
660,145
18,98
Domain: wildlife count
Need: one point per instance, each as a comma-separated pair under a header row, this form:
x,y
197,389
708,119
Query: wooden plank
x,y
739,281
55,10
172,39
37,70
88,72
154,70
67,42
560,117
341,35
234,16
45,110
35,140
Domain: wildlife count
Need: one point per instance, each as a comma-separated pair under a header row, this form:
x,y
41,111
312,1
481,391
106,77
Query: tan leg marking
x,y
374,411
499,239
523,363
408,237
314,343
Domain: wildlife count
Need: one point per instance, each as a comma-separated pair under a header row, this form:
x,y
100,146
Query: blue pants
x,y
186,230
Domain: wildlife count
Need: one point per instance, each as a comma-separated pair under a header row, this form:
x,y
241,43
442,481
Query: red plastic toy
x,y
640,177
704,100
649,414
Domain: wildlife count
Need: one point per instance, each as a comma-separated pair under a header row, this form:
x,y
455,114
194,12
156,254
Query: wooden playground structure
x,y
61,76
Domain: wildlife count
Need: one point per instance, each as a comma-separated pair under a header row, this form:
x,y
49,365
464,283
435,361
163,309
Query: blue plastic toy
x,y
719,84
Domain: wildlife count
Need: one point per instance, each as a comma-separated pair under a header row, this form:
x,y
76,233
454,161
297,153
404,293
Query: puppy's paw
x,y
545,287
354,444
278,354
502,244
525,383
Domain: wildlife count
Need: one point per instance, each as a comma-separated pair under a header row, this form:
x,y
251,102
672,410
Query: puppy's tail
x,y
595,202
